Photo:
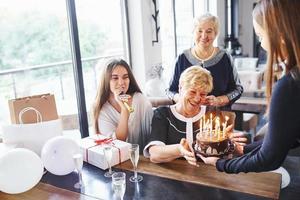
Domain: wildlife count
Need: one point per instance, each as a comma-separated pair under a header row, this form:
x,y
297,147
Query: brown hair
x,y
280,19
104,87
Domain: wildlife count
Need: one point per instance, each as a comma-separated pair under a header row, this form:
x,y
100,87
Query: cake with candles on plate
x,y
212,138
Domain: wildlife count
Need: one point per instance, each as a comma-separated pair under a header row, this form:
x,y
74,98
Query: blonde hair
x,y
207,18
197,77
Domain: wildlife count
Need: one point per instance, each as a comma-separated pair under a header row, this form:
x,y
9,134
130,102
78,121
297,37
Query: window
x,y
101,38
35,51
177,26
184,14
36,54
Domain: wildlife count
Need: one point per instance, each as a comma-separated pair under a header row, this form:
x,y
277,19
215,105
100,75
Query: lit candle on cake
x,y
204,125
207,127
224,128
226,120
201,126
217,126
210,126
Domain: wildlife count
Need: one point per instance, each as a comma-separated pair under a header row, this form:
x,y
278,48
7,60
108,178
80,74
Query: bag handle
x,y
45,96
38,114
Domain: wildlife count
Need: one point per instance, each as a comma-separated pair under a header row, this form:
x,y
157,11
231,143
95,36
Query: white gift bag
x,y
31,136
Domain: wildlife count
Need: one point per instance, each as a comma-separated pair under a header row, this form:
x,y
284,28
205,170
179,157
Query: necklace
x,y
206,58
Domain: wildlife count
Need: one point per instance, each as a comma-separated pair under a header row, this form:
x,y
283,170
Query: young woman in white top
x,y
118,92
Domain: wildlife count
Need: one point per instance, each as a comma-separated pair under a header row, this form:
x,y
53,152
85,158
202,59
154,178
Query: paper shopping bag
x,y
25,110
31,136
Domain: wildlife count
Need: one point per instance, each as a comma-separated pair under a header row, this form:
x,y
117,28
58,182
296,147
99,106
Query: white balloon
x,y
155,88
285,177
57,155
20,170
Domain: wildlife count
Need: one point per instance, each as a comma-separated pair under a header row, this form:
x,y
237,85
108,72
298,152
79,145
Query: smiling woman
x,y
172,124
227,88
193,90
111,114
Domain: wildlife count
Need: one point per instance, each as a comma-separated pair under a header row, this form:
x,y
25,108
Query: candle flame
x,y
213,128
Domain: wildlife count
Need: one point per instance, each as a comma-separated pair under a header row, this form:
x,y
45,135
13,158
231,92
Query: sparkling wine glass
x,y
119,184
78,160
134,157
108,156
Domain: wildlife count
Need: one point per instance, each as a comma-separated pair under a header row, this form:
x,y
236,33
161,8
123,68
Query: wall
x,y
246,27
145,55
221,14
245,24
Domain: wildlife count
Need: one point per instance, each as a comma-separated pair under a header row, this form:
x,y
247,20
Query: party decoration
x,y
57,155
285,176
20,170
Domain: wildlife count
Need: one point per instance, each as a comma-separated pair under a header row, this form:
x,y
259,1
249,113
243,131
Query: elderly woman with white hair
x,y
175,127
227,88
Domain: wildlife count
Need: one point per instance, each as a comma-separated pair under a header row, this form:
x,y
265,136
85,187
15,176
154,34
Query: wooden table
x,y
250,104
255,105
264,184
45,191
243,104
173,180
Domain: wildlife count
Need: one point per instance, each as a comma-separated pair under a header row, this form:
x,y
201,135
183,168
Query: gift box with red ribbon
x,y
92,150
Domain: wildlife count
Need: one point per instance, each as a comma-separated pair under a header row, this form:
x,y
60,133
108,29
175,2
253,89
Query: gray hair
x,y
207,17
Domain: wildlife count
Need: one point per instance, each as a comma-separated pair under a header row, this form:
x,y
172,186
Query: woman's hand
x,y
209,160
121,99
187,152
238,149
212,100
239,140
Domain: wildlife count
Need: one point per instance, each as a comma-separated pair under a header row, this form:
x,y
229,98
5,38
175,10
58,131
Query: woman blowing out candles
x,y
120,109
276,23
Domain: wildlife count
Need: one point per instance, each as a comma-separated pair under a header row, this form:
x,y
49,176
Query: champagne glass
x,y
119,184
108,156
78,160
134,157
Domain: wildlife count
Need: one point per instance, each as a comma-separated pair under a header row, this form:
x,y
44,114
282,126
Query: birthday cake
x,y
212,146
212,139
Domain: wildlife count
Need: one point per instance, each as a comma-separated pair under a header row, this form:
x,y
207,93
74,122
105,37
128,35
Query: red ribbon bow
x,y
103,141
